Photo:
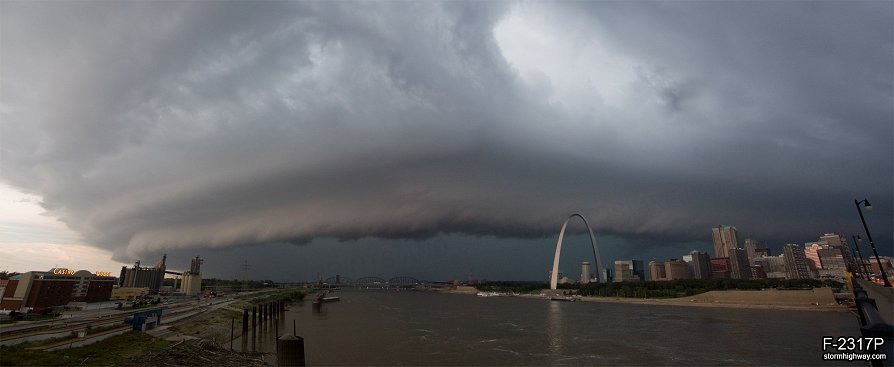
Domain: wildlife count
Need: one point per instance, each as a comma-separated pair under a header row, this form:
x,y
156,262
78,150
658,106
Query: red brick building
x,y
720,267
38,290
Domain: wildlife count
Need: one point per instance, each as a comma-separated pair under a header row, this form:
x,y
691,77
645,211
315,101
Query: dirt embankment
x,y
818,299
772,297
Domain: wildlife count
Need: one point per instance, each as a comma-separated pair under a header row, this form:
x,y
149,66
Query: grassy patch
x,y
111,351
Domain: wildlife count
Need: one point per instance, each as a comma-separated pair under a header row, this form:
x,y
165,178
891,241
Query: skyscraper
x,y
750,248
811,252
700,265
725,239
840,242
629,270
740,267
795,262
585,272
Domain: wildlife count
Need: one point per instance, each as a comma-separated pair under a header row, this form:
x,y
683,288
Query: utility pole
x,y
244,270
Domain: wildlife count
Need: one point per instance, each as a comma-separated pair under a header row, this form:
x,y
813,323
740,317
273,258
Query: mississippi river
x,y
422,328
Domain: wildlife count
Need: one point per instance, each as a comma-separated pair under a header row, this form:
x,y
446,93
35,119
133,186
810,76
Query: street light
x,y
862,269
868,206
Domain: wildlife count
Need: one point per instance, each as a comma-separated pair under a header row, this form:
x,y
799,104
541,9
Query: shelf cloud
x,y
156,126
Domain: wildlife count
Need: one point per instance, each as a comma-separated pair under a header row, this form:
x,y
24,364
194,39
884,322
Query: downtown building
x,y
772,266
656,271
740,267
725,239
796,263
753,250
699,265
629,271
675,269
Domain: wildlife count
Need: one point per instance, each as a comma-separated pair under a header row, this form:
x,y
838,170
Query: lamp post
x,y
862,268
868,206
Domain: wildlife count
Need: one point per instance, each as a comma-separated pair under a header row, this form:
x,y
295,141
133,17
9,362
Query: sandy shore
x,y
819,301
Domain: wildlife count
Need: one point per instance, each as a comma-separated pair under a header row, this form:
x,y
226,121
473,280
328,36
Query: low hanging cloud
x,y
158,126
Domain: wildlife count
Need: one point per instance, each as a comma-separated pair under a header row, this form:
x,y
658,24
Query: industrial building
x,y
143,277
192,279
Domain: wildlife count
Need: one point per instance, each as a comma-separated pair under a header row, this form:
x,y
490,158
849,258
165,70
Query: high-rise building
x,y
795,262
629,271
656,270
773,266
833,261
676,269
700,265
585,272
725,239
750,248
840,242
720,267
758,252
811,252
740,267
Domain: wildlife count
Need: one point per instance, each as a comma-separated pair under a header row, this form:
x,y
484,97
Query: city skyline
x,y
444,137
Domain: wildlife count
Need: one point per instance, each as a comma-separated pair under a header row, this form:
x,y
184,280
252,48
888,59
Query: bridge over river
x,y
374,282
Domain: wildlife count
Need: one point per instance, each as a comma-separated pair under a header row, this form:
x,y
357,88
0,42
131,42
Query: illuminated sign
x,y
103,273
63,271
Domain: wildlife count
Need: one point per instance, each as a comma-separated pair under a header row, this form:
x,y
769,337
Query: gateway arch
x,y
554,279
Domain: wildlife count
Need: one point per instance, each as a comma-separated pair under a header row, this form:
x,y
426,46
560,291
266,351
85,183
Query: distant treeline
x,y
662,289
234,284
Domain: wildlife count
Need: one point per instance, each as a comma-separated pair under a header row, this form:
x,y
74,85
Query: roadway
x,y
884,298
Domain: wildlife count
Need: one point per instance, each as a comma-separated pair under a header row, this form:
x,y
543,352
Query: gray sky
x,y
319,129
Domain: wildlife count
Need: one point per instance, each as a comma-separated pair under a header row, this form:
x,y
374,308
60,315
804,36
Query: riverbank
x,y
817,299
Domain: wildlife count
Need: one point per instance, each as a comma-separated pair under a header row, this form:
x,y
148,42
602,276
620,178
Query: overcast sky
x,y
450,131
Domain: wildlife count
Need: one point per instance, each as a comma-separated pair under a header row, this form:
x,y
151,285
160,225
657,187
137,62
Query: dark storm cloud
x,y
160,126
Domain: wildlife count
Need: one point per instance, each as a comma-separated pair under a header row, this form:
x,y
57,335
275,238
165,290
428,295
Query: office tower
x,y
758,252
833,261
656,270
811,253
700,265
676,269
628,271
725,239
585,272
795,262
740,267
773,266
750,248
840,242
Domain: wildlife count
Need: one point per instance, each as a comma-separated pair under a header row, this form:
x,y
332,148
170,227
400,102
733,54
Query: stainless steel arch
x,y
554,279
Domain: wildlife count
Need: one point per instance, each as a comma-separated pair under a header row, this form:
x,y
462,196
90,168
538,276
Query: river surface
x,y
422,328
